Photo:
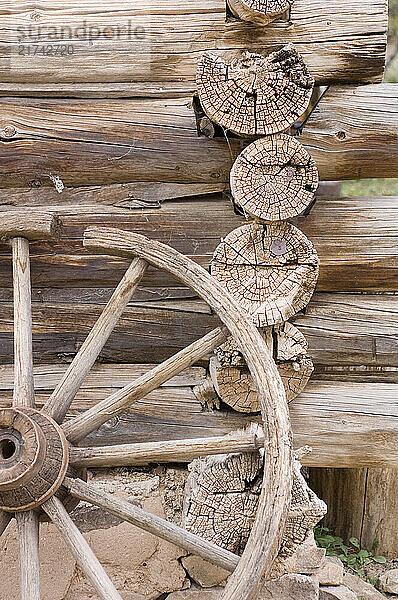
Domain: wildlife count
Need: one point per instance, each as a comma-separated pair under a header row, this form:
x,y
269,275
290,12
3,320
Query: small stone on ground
x,y
336,592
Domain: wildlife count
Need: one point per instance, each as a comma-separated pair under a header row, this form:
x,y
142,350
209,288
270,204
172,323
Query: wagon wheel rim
x,y
264,541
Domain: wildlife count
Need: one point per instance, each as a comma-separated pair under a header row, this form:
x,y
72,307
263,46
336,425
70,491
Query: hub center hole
x,y
7,448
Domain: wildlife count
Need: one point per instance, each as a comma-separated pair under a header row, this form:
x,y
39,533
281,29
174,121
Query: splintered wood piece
x,y
110,407
28,533
165,452
221,498
257,95
259,11
305,511
32,225
270,269
274,178
222,495
154,524
62,397
23,354
231,376
80,549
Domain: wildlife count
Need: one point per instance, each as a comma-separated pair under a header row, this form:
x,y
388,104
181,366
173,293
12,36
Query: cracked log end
x,y
259,11
270,269
221,499
256,95
232,379
274,178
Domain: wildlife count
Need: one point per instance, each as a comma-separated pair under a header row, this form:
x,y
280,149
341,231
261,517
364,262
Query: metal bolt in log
x,y
259,11
274,178
256,95
270,269
231,376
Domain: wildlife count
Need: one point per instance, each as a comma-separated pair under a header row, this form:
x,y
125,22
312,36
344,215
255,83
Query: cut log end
x,y
274,178
270,269
256,95
222,495
259,11
231,376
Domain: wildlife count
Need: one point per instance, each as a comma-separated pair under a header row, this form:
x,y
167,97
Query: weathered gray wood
x,y
362,503
28,533
145,194
154,524
140,144
47,377
259,12
341,40
266,535
335,325
24,394
80,549
348,423
60,400
174,451
358,255
32,225
116,403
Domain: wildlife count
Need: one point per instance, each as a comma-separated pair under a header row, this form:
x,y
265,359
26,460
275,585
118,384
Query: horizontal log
x,y
157,45
157,140
359,254
335,325
347,424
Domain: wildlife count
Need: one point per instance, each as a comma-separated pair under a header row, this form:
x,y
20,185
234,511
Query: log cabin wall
x,y
115,122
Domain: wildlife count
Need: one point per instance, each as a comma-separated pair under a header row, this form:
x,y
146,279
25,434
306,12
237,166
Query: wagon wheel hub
x,y
33,458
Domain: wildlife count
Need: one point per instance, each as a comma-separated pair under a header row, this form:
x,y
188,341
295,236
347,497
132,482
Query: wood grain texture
x,y
347,423
266,534
362,503
163,452
335,325
358,255
259,11
131,513
157,140
60,400
121,400
24,394
28,533
341,40
32,225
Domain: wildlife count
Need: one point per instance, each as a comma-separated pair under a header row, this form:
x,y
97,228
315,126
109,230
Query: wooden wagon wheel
x,y
37,448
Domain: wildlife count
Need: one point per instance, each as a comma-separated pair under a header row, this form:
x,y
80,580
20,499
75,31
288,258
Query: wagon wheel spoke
x,y
28,533
23,355
173,451
154,524
80,549
110,407
61,398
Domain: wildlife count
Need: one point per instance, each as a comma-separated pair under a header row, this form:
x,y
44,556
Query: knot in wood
x,y
8,131
33,458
